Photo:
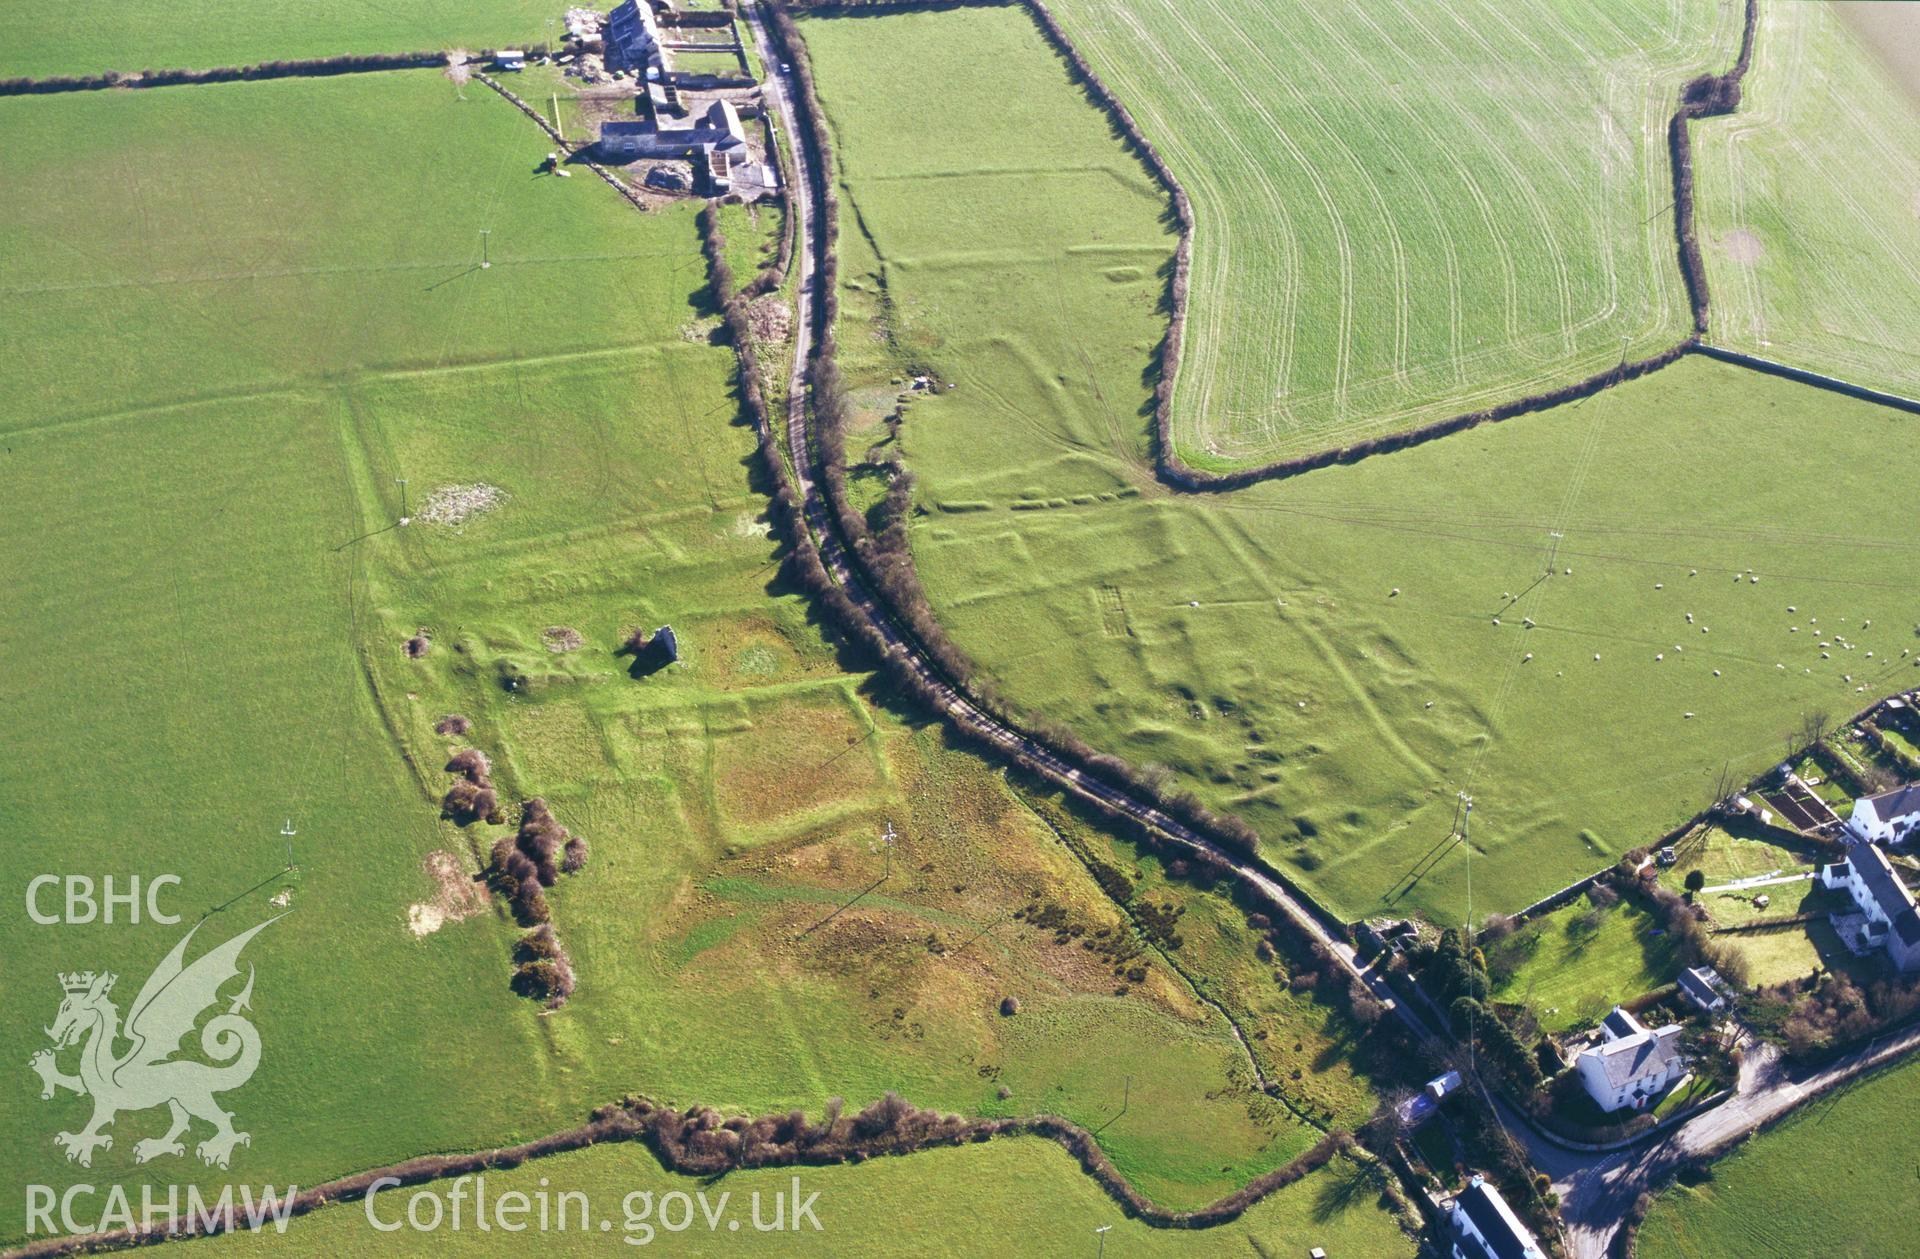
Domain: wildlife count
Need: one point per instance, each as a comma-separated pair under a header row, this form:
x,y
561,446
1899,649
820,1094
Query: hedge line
x,y
357,63
887,564
1703,97
699,1141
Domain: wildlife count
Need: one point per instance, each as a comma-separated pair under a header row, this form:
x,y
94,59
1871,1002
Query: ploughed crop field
x,y
1810,203
42,41
1405,212
242,315
1334,656
1757,1203
1022,1196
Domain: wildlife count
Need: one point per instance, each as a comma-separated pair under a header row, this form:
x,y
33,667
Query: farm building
x,y
1700,985
1883,900
1485,1227
633,38
718,131
1886,818
1632,1064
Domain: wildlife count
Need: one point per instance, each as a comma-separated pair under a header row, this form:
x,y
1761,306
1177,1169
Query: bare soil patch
x,y
1892,31
458,896
1741,246
561,639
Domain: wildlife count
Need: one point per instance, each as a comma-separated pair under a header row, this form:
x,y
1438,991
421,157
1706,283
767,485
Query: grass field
x,y
212,389
37,41
191,332
1572,972
1810,204
1758,1202
1254,643
1405,213
1020,1196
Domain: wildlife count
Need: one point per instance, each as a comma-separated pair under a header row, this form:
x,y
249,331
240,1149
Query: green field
x,y
1020,1196
221,481
1572,970
1404,213
192,334
1810,205
39,41
1758,1201
1254,642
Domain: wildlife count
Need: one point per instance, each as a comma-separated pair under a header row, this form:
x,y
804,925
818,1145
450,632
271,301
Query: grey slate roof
x,y
1636,1057
1507,1237
1888,892
1896,803
1697,983
1620,1024
631,33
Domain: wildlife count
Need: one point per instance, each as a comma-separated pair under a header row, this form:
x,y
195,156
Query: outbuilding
x,y
1701,986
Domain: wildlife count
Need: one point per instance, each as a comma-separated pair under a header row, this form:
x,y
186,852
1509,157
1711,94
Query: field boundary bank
x,y
1270,1087
1817,380
572,150
1705,96
698,1142
888,569
314,67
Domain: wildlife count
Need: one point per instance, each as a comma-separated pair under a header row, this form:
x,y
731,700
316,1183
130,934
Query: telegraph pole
x,y
485,261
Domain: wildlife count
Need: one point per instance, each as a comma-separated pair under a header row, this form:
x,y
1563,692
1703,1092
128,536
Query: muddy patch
x,y
1741,246
561,639
458,895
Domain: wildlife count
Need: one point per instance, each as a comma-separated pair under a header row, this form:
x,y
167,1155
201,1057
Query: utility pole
x,y
485,261
289,833
886,843
406,517
1101,1233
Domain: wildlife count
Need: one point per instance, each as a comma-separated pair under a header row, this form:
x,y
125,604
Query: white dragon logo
x,y
170,1003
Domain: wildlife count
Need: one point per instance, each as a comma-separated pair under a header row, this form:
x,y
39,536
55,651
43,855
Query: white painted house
x,y
1633,1064
1886,818
1483,1226
1884,901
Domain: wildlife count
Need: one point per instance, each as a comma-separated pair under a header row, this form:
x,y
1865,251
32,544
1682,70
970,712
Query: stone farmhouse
x,y
1886,818
1633,1064
632,38
1883,900
1485,1227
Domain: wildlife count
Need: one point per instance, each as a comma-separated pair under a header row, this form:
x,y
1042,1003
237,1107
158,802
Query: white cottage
x,y
1633,1064
1483,1226
1884,901
1886,818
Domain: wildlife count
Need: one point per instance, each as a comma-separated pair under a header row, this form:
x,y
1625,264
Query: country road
x,y
1596,1190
